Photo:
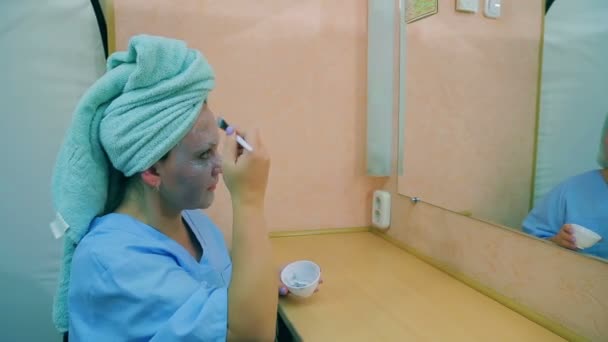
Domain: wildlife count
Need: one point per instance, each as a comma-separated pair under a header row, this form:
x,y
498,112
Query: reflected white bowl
x,y
585,237
301,277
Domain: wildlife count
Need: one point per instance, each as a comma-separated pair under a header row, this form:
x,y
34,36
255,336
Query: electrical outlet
x,y
381,209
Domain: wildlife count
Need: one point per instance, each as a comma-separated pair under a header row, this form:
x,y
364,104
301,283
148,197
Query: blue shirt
x,y
130,282
583,200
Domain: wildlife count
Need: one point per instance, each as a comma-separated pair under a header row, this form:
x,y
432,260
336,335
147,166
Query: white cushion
x,y
51,52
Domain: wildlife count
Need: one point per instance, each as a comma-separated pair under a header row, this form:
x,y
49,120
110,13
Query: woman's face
x,y
191,171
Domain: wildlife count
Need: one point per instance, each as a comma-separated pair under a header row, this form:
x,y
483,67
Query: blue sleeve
x,y
547,218
148,297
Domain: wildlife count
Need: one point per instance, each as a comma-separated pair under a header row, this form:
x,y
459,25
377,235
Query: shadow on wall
x,y
21,318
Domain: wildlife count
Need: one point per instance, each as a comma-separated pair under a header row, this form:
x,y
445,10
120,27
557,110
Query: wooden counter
x,y
375,291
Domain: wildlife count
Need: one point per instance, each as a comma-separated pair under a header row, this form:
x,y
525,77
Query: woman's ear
x,y
151,177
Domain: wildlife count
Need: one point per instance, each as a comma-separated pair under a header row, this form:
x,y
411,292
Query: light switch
x,y
492,8
471,6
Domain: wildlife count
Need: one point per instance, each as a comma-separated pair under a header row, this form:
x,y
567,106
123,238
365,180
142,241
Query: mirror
x,y
497,113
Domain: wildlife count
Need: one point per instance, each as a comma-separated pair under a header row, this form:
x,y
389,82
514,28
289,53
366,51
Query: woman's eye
x,y
206,154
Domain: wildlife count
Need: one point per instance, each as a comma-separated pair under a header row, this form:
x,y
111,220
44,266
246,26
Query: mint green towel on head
x,y
146,102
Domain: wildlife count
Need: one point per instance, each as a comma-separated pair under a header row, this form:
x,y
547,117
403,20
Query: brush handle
x,y
243,143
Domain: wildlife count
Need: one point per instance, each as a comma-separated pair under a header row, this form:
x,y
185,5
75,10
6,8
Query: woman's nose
x,y
217,168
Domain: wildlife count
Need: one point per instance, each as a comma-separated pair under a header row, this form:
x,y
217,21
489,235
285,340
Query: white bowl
x,y
585,237
301,277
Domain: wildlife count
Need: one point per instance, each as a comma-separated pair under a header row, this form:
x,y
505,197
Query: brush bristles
x,y
222,123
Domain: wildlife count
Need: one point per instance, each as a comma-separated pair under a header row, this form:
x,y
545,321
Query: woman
x,y
583,200
141,261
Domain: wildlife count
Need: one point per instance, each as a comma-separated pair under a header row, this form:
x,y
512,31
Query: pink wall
x,y
471,94
297,70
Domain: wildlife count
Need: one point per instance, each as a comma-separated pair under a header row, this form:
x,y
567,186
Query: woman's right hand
x,y
246,173
565,237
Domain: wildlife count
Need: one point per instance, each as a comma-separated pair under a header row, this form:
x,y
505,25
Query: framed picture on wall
x,y
418,9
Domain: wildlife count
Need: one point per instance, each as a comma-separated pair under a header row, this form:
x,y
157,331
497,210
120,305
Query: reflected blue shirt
x,y
583,200
130,282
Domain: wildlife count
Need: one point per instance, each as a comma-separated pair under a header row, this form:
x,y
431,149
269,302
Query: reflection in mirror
x,y
574,214
496,128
